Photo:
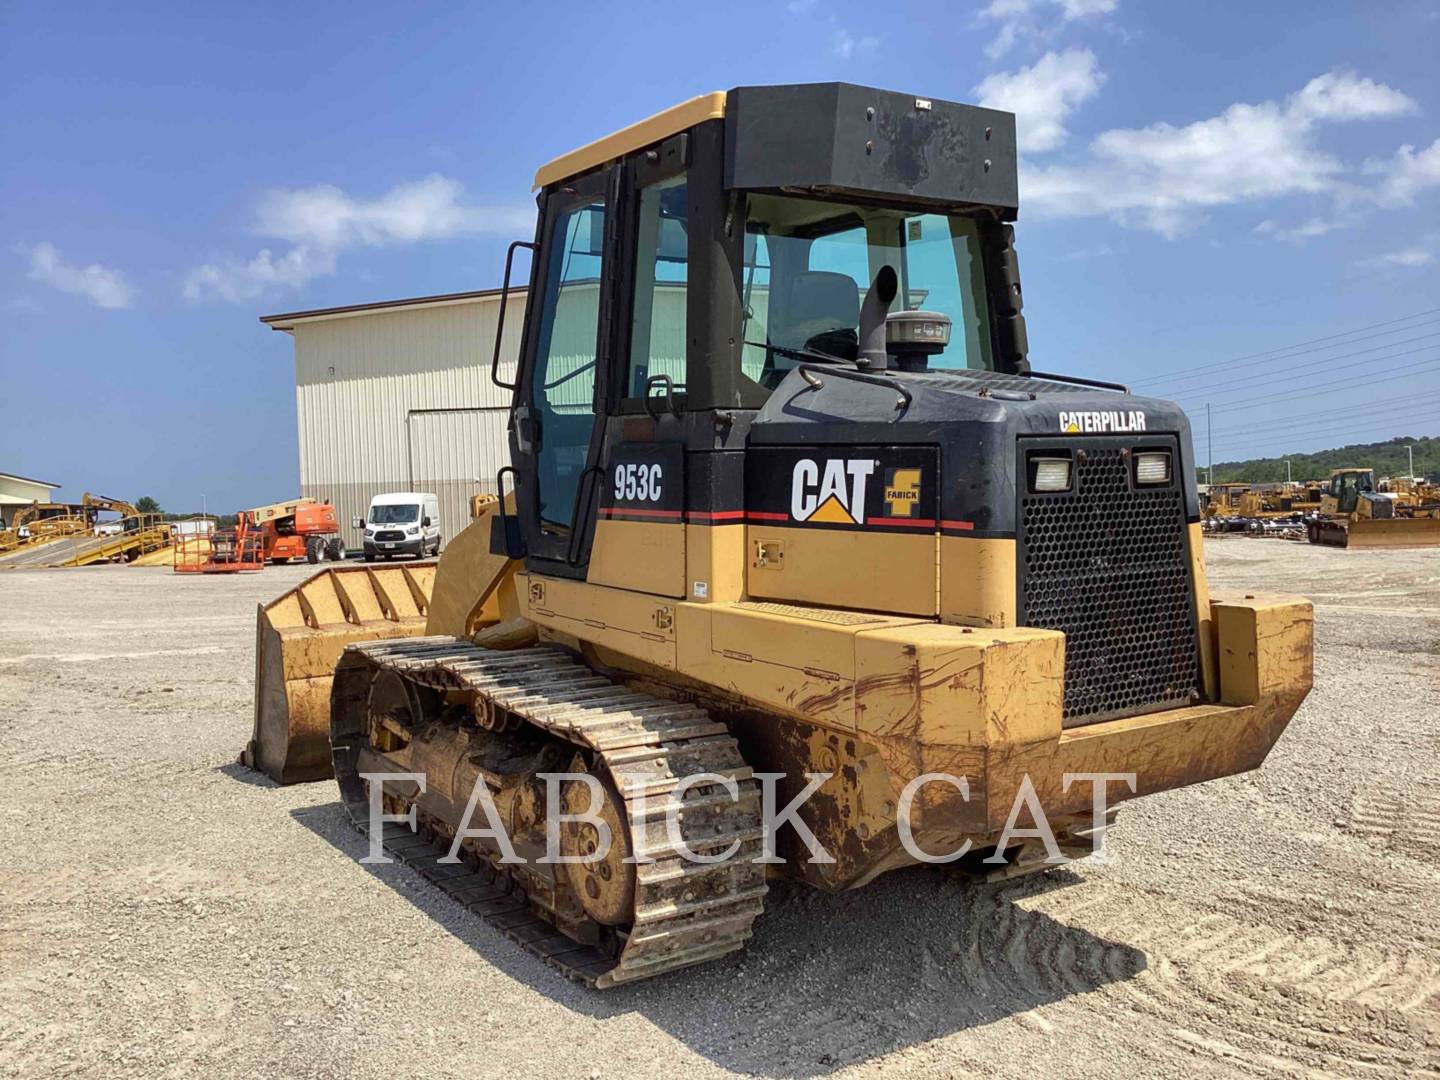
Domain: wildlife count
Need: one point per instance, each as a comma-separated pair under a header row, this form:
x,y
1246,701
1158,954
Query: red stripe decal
x,y
625,511
717,515
759,515
958,526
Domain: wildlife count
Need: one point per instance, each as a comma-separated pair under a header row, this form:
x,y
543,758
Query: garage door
x,y
449,450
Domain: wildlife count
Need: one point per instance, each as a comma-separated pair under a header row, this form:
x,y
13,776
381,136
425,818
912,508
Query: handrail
x,y
906,398
500,316
1099,384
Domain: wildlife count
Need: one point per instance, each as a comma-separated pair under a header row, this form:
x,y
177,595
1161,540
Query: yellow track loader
x,y
1354,513
792,522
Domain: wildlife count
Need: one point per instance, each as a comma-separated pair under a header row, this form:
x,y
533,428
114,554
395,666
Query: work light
x,y
1050,474
1152,468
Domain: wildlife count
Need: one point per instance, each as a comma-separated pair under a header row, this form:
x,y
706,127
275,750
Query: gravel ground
x,y
164,912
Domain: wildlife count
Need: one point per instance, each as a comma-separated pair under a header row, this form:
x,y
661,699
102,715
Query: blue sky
x,y
1200,183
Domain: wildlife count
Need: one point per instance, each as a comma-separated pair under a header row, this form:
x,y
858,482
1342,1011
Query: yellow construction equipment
x,y
301,634
71,534
40,522
299,638
793,523
95,503
1355,513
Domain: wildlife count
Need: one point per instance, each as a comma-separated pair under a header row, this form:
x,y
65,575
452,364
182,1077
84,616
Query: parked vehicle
x,y
402,523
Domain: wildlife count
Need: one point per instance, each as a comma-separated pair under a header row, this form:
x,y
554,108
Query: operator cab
x,y
1346,487
685,266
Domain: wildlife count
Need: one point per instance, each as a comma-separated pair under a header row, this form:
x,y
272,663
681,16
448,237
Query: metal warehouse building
x,y
396,396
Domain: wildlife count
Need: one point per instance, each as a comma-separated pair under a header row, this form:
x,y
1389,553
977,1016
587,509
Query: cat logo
x,y
902,492
834,494
1101,423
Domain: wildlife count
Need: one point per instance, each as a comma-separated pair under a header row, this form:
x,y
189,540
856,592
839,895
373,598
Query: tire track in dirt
x,y
1404,820
984,959
1267,1000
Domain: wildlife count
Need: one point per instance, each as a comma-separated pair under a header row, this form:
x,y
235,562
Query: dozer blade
x,y
1393,532
298,640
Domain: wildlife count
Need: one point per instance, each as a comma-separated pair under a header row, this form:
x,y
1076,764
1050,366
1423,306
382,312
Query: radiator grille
x,y
1107,564
393,534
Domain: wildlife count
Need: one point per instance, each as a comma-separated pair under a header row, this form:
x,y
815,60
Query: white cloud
x,y
100,285
1405,257
1030,18
323,221
1163,177
1079,9
239,280
847,45
1101,251
1406,175
1343,95
1043,95
1305,231
429,209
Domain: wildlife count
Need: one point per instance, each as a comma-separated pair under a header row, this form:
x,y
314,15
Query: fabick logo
x,y
832,492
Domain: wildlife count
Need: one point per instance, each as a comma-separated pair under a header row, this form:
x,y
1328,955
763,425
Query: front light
x,y
413,530
1152,468
1051,474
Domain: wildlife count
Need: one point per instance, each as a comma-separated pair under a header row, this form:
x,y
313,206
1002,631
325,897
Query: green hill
x,y
1390,458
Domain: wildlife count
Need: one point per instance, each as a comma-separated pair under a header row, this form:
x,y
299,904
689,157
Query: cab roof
x,y
834,137
627,140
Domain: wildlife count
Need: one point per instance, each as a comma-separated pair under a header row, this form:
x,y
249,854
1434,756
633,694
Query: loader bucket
x,y
1393,532
298,640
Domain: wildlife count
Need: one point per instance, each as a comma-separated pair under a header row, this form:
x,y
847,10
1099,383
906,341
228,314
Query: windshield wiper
x,y
799,354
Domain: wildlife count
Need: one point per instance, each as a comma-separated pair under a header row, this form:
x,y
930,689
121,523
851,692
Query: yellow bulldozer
x,y
790,523
1355,513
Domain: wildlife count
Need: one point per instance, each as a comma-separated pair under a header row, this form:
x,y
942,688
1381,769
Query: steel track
x,y
685,912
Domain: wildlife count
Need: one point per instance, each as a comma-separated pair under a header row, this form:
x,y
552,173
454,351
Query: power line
x,y
1244,446
1288,348
1269,376
1325,359
1321,388
1390,406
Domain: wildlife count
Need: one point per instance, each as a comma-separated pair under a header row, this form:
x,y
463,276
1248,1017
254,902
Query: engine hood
x,y
976,420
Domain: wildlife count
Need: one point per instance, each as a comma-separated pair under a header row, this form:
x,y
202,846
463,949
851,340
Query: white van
x,y
401,523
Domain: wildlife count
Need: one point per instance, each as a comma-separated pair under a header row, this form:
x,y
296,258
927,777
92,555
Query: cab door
x,y
557,422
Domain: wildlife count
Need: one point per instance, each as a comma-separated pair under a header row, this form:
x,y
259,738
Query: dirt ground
x,y
164,912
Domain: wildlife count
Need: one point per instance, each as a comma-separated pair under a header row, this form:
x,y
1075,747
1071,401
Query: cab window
x,y
563,387
658,318
808,264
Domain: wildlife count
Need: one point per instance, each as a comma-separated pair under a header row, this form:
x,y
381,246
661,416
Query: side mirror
x,y
425,523
357,523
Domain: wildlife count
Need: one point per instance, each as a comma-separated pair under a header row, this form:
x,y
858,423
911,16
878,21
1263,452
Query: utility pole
x,y
1411,448
1287,470
202,505
1210,445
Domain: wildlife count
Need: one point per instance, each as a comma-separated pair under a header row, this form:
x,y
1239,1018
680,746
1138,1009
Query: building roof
x,y
286,321
27,480
638,135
